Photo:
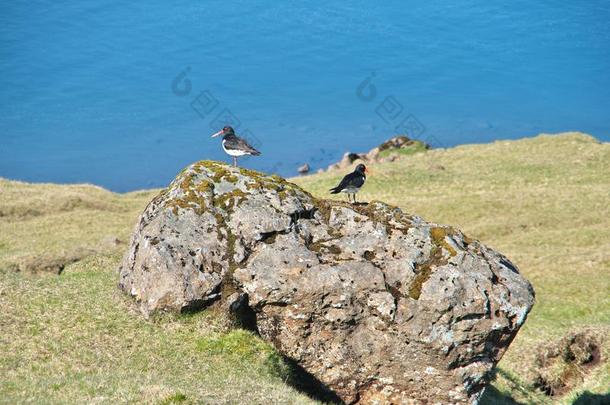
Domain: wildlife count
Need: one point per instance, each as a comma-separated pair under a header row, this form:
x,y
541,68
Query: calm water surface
x,y
125,94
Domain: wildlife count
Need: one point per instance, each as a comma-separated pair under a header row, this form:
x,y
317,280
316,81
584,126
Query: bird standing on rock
x,y
352,182
233,145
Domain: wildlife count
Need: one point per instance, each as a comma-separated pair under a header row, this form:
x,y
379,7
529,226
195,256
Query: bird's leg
x,y
234,161
355,199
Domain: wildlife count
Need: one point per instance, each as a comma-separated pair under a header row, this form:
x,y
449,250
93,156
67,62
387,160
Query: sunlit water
x,y
125,94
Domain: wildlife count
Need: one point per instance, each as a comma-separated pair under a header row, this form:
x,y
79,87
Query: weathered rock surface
x,y
377,304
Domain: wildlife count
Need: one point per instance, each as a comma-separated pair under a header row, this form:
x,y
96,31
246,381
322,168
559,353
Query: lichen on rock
x,y
375,303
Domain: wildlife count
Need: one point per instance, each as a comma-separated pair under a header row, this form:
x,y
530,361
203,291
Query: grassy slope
x,y
41,221
544,202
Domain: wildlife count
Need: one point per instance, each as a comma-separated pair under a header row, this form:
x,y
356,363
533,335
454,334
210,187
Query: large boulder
x,y
379,305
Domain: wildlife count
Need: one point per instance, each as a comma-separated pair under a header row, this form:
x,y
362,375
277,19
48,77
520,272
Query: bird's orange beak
x,y
367,171
222,131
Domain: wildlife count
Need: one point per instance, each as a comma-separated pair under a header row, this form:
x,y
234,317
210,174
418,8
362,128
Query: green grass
x,y
74,338
48,221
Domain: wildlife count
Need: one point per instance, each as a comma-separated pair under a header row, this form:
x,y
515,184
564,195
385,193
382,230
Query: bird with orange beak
x,y
233,145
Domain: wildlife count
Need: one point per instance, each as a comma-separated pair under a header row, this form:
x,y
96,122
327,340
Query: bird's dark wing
x,y
350,180
357,181
243,145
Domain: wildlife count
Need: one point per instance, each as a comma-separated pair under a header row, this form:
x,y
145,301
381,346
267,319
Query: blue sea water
x,y
125,94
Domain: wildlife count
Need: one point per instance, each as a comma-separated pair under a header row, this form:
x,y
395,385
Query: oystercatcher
x,y
352,182
233,145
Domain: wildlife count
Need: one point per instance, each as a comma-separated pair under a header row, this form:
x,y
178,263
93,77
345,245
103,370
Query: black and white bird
x,y
352,182
233,145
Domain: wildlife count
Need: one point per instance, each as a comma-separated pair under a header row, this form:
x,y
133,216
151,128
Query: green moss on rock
x,y
437,258
424,271
439,235
228,201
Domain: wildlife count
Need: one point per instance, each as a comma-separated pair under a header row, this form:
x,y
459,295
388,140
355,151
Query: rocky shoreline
x,y
388,151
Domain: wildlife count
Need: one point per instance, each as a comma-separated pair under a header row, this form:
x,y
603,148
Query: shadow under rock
x,y
493,396
299,378
308,384
588,398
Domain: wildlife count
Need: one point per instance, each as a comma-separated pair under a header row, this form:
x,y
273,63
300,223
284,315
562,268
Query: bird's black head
x,y
227,130
361,168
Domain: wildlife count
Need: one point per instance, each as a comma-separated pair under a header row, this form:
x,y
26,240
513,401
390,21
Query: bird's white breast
x,y
350,190
233,152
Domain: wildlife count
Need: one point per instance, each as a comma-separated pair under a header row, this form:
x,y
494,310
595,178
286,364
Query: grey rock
x,y
304,169
347,160
379,305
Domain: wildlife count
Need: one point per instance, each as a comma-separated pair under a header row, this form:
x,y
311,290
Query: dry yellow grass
x,y
543,201
44,222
